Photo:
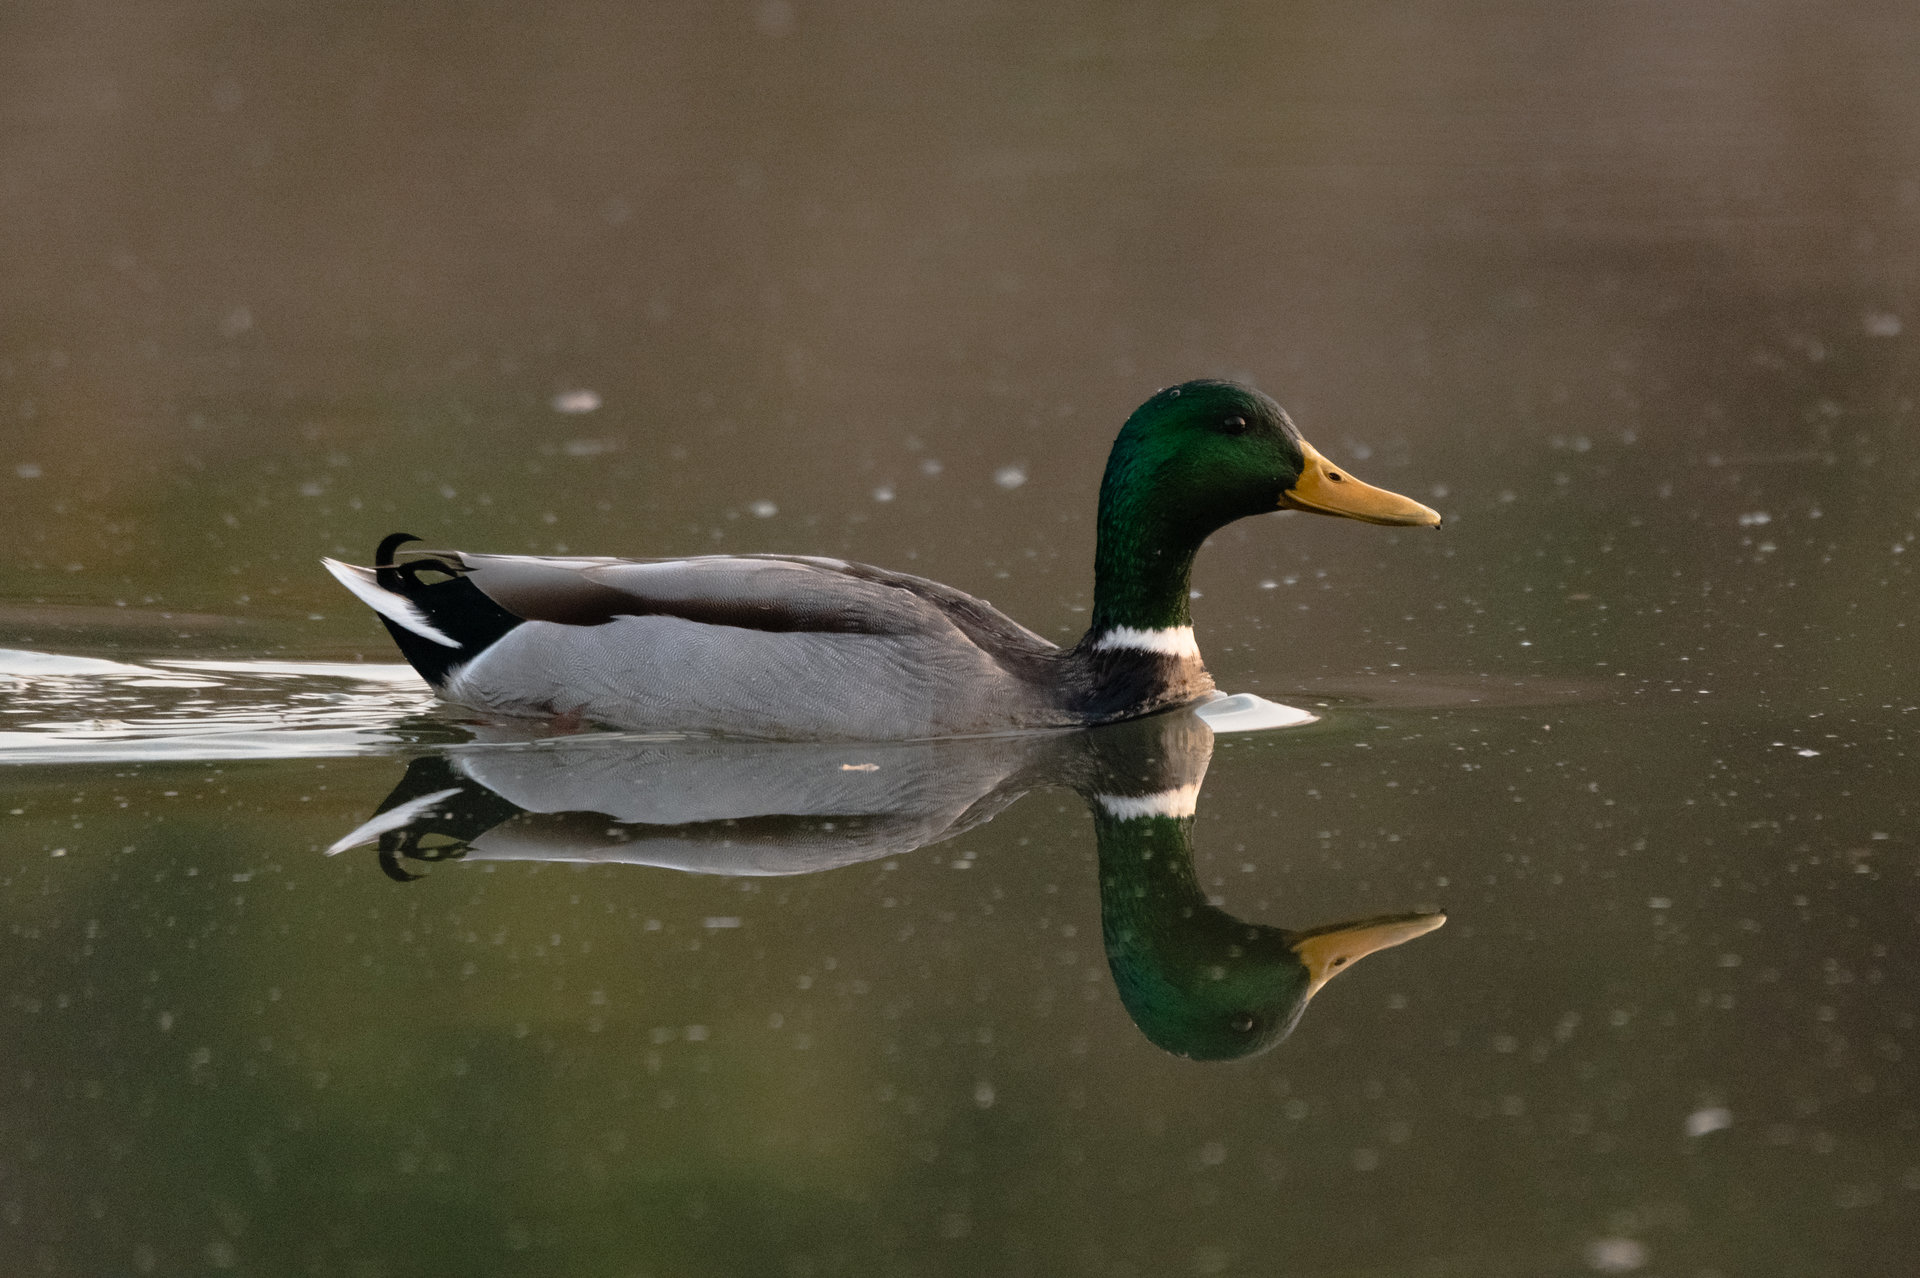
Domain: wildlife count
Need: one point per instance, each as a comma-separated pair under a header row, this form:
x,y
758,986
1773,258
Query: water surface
x,y
1628,295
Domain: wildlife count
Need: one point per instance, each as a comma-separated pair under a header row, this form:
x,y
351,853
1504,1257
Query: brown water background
x,y
1631,292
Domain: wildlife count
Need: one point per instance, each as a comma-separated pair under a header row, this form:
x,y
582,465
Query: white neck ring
x,y
1168,641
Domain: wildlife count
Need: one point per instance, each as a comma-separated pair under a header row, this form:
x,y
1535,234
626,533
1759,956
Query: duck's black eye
x,y
1243,1022
1234,425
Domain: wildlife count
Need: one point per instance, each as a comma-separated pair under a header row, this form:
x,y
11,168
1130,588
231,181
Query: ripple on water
x,y
56,708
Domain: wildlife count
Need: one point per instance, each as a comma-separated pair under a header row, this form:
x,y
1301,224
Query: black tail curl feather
x,y
455,606
452,823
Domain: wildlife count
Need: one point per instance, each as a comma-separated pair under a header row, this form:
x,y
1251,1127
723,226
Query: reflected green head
x,y
1226,992
1197,981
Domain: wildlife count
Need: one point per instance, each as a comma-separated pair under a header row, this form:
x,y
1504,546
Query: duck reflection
x,y
1197,981
704,806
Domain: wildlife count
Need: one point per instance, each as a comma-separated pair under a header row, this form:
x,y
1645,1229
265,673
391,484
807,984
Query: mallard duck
x,y
788,646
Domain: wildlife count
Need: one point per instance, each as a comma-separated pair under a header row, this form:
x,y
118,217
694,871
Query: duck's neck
x,y
1142,564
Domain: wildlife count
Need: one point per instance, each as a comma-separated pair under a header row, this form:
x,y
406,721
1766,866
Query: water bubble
x,y
883,492
1010,477
1616,1255
762,509
1881,324
1712,1119
576,401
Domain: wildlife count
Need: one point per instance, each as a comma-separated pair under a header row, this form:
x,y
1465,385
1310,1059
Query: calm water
x,y
1631,295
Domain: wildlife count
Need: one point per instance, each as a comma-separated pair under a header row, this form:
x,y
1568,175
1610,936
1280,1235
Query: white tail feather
x,y
392,819
398,609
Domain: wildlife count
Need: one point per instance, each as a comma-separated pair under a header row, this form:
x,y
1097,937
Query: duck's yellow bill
x,y
1328,951
1326,489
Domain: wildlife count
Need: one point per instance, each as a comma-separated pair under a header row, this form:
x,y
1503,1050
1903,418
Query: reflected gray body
x,y
716,806
742,808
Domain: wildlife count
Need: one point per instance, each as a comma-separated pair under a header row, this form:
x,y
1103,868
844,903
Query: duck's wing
x,y
778,593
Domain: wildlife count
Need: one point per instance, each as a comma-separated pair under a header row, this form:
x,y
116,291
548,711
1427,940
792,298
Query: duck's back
x,y
768,646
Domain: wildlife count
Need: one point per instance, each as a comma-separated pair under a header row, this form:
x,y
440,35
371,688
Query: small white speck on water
x,y
1712,1119
28,470
720,921
930,466
1755,519
883,493
1616,1255
762,509
1010,477
1269,584
859,767
576,401
983,1094
1881,324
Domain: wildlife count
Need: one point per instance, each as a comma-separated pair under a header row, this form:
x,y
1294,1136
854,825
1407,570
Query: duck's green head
x,y
1205,453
